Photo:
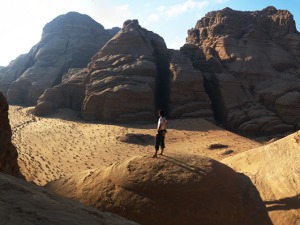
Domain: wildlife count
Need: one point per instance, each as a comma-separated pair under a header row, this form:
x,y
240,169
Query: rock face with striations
x,y
169,190
123,77
131,77
69,94
187,95
8,152
69,41
251,65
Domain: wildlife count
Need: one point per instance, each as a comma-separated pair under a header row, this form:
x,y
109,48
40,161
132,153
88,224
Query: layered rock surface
x,y
69,94
131,77
69,41
8,152
274,169
122,76
168,190
188,97
25,203
251,65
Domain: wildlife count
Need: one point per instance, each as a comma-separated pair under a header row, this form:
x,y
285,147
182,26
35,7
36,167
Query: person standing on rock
x,y
161,133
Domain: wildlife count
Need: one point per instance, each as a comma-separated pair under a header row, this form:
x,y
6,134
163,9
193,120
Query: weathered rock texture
x,y
69,41
188,97
69,94
169,190
131,77
274,169
8,152
24,203
122,76
251,65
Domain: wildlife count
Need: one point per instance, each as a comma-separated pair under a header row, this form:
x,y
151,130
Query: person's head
x,y
161,113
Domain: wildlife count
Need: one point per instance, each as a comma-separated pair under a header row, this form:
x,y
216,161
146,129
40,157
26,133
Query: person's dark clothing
x,y
160,139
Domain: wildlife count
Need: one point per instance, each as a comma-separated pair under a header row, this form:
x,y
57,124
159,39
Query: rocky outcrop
x,y
131,77
69,41
8,152
113,31
13,71
251,65
124,74
69,94
170,190
273,169
188,97
25,203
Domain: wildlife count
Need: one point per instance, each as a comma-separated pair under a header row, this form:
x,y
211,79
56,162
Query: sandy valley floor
x,y
53,147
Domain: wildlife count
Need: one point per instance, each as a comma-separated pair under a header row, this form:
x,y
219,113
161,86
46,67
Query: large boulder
x,y
274,169
69,41
169,190
8,152
25,203
251,65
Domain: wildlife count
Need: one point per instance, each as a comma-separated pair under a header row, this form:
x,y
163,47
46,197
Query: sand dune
x,y
275,171
169,190
51,148
23,203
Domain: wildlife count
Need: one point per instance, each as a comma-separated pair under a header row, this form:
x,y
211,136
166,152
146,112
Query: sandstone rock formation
x,y
69,41
251,65
8,152
113,31
69,94
171,190
123,77
25,203
274,169
131,77
188,97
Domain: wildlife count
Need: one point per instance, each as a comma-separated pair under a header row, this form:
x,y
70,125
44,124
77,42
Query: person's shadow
x,y
284,203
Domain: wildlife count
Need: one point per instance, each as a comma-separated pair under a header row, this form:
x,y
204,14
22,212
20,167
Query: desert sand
x,y
60,145
169,190
274,169
23,203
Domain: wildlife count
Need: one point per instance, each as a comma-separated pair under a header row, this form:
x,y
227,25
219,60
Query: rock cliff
x,y
241,68
169,190
251,65
69,94
8,152
69,41
131,77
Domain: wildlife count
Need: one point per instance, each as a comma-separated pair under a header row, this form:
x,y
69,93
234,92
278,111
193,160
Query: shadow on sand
x,y
284,203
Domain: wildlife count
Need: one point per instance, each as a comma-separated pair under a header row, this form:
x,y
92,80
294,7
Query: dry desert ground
x,y
61,145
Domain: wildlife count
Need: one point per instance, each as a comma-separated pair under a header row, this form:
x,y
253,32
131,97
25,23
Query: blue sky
x,y
22,21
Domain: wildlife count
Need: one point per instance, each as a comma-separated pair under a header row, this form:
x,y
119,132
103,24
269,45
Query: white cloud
x,y
221,1
111,15
122,8
161,8
176,44
154,17
176,10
